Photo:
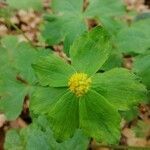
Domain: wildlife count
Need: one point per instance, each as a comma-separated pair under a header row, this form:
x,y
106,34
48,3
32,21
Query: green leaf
x,y
19,56
66,24
67,6
52,29
26,4
37,137
92,46
43,97
98,118
78,142
36,140
119,87
16,74
64,117
113,25
53,71
135,38
105,9
141,67
12,93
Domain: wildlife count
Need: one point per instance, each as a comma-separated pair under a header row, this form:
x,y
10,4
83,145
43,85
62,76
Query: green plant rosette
x,y
96,111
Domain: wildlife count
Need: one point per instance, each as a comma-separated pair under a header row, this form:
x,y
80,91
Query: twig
x,y
20,31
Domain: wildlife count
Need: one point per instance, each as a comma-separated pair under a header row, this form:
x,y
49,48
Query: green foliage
x,y
53,71
141,67
114,60
25,4
108,13
105,9
27,71
39,136
81,52
16,74
135,38
120,87
98,118
69,20
10,102
96,112
66,24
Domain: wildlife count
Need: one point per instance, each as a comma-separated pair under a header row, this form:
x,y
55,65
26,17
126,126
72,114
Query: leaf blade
x,y
93,45
119,87
98,118
53,71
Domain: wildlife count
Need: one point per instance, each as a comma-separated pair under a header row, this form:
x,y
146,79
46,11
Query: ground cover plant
x,y
74,75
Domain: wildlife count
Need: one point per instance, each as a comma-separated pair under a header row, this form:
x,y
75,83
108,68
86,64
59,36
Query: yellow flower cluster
x,y
79,83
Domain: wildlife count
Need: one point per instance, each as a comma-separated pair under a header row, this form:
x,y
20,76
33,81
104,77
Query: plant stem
x,y
20,31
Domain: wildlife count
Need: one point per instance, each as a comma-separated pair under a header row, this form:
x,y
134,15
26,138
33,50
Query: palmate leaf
x,y
69,20
66,24
12,93
38,136
141,66
16,75
95,112
65,111
94,45
19,56
119,87
135,38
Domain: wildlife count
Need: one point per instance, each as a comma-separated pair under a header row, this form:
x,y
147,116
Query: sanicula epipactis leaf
x,y
134,38
39,136
69,19
16,74
95,111
66,23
